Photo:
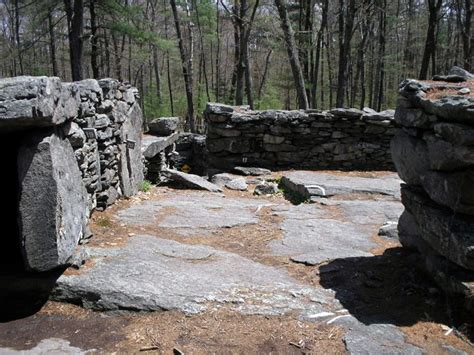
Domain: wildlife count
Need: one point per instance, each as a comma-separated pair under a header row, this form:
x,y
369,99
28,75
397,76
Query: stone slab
x,y
152,145
50,346
190,180
309,183
150,274
314,241
198,212
53,207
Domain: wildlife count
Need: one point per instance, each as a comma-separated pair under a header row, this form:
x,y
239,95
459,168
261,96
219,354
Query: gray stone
x,y
313,241
449,78
389,230
374,338
409,117
237,184
196,212
447,156
452,279
53,208
152,146
464,91
191,181
108,197
28,101
217,108
347,112
410,156
448,233
266,188
222,179
74,134
232,182
453,189
455,70
268,138
51,346
80,256
102,121
251,171
131,160
163,126
408,231
226,131
368,214
376,117
151,274
455,133
451,108
310,183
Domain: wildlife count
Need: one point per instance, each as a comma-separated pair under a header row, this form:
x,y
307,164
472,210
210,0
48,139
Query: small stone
x,y
266,188
464,91
163,126
389,230
237,184
251,171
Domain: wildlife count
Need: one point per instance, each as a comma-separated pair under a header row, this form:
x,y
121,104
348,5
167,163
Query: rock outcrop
x,y
434,154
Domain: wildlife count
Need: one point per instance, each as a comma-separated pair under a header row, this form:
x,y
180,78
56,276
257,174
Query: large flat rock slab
x,y
150,274
194,212
311,183
313,234
50,346
190,181
314,241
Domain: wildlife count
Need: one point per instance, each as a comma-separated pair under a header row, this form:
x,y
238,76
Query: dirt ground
x,y
387,287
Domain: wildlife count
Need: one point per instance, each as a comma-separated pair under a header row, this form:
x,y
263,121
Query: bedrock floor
x,y
235,273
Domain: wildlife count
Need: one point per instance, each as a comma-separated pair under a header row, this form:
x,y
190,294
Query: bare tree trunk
x,y
265,74
17,37
292,54
248,79
157,74
465,30
188,82
52,44
346,24
107,54
240,69
381,63
430,43
75,17
94,40
318,52
218,34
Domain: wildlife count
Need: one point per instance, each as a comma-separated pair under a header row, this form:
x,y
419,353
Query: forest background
x,y
275,54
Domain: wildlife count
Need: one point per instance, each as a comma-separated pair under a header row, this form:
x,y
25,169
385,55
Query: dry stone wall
x,y
336,139
78,150
434,154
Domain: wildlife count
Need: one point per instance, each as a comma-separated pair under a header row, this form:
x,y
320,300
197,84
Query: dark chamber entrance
x,y
10,254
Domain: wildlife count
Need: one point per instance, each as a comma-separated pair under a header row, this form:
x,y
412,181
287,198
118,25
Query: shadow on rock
x,y
23,294
388,289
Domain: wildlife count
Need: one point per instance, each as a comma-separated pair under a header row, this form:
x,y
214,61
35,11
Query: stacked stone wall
x,y
338,139
79,149
434,154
